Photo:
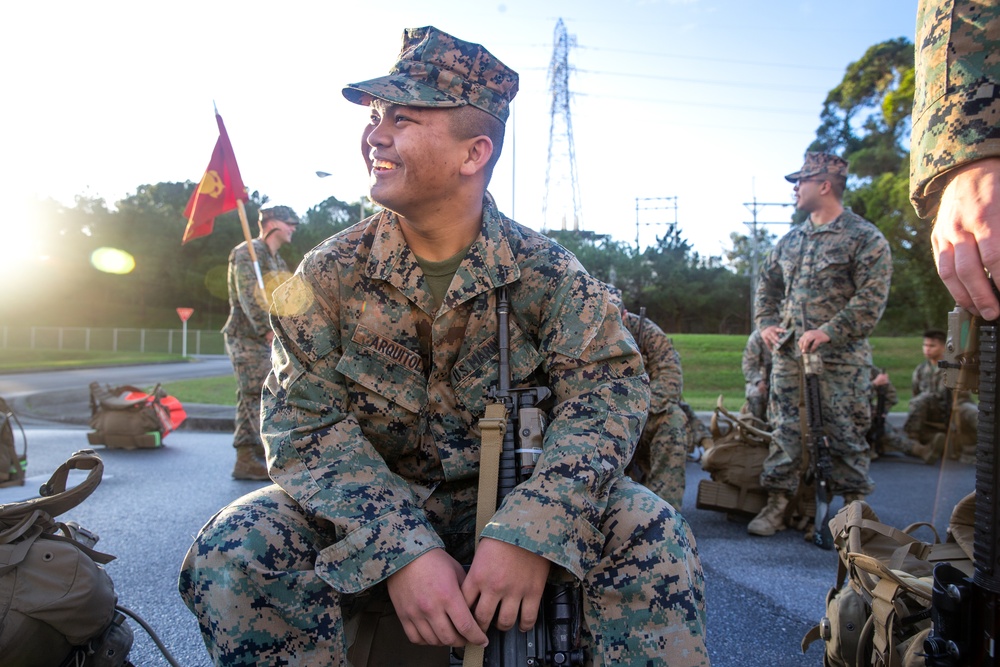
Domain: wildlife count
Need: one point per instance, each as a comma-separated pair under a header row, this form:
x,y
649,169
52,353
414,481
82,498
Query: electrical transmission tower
x,y
562,191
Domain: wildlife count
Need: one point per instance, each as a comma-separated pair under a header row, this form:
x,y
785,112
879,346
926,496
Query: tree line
x,y
865,119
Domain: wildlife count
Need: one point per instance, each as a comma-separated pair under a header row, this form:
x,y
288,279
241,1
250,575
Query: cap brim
x,y
793,178
400,90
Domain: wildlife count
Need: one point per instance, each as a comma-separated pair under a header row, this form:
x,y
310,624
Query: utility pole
x,y
562,154
754,206
653,204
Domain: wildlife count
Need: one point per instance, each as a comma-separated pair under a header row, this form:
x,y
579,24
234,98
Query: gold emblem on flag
x,y
211,184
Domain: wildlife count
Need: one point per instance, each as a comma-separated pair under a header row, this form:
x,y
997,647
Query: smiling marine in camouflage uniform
x,y
370,416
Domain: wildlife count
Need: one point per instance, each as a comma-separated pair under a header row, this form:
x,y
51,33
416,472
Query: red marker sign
x,y
185,313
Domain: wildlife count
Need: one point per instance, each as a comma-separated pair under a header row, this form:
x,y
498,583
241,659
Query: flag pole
x,y
246,234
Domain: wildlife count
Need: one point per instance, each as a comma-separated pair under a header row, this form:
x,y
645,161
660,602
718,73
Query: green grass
x,y
14,360
711,367
217,390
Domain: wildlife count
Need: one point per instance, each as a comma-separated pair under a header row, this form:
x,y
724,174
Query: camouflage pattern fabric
x,y
435,69
251,359
248,306
846,415
930,407
697,431
756,368
661,454
957,94
377,445
837,275
245,332
819,163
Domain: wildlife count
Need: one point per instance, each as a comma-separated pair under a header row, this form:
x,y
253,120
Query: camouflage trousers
x,y
894,440
928,416
251,580
661,455
846,415
756,402
697,431
251,358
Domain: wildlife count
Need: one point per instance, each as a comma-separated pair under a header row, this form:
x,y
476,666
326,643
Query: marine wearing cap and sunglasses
x,y
385,352
822,289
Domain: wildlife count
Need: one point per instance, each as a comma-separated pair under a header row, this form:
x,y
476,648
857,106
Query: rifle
x,y
821,469
965,612
642,320
555,638
877,429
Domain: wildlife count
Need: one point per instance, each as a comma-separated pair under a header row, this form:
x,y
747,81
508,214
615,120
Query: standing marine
x,y
822,289
247,331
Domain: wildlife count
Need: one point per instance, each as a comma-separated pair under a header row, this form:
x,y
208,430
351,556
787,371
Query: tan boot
x,y
771,519
248,466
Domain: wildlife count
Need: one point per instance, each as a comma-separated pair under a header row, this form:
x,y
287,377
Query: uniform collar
x,y
488,264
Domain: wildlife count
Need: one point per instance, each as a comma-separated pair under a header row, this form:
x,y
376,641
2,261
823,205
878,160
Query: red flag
x,y
218,191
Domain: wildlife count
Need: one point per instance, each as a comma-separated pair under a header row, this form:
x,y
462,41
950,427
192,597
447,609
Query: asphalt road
x,y
763,593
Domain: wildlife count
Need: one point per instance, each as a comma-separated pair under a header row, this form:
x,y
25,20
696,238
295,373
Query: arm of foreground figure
x,y
966,236
509,577
427,595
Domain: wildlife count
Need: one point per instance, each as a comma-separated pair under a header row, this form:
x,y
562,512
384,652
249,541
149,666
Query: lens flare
x,y
112,260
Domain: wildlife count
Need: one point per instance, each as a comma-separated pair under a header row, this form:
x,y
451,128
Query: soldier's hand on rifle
x,y
881,379
966,236
506,577
771,334
812,339
428,599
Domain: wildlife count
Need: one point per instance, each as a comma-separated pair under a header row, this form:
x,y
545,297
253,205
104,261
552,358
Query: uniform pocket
x,y
387,370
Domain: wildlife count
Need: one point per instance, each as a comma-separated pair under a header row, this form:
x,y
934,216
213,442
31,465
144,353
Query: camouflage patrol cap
x,y
283,213
820,163
437,70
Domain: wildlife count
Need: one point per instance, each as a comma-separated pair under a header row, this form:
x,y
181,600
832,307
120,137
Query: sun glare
x,y
112,260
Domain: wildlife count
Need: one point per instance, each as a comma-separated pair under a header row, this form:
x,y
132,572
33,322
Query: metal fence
x,y
169,341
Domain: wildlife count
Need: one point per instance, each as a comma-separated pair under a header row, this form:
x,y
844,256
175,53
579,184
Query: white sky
x,y
709,101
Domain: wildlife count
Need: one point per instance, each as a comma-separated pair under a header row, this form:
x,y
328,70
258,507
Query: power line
x,y
729,61
738,84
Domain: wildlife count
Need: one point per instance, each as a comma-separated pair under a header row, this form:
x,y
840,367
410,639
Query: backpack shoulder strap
x,y
55,499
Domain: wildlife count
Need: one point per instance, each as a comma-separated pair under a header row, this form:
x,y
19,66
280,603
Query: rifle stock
x,y
555,638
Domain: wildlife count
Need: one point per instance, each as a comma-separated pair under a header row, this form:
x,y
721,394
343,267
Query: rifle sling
x,y
492,427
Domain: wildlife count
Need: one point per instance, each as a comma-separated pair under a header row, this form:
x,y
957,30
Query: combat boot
x,y
248,466
771,519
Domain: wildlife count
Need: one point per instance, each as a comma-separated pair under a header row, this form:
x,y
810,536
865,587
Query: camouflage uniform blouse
x,y
839,272
663,363
247,305
928,378
373,401
957,93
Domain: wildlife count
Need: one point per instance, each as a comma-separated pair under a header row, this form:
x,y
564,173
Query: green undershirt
x,y
439,274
